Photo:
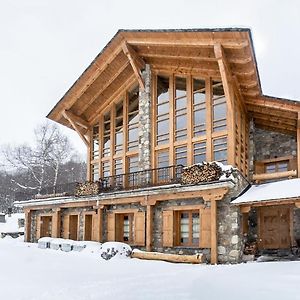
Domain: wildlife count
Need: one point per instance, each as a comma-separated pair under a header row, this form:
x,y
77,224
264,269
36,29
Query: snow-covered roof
x,y
280,190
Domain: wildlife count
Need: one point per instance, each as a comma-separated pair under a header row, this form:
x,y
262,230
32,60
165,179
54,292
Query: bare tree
x,y
50,150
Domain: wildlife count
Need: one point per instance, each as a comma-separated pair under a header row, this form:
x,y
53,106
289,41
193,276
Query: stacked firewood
x,y
204,172
87,188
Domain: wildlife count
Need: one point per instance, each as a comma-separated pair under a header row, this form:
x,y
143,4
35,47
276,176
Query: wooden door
x,y
274,227
88,226
46,224
73,227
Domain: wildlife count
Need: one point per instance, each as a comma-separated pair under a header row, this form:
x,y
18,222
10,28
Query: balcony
x,y
127,181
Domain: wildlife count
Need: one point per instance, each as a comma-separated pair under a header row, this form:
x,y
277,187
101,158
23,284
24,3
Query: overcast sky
x,y
47,44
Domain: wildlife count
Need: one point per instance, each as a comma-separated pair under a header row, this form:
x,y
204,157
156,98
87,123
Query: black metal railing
x,y
127,181
142,179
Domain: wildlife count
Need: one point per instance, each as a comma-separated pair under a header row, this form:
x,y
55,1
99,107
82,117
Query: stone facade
x,y
269,144
229,236
144,121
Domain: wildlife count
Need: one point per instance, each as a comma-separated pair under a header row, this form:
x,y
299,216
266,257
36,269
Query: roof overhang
x,y
117,67
273,193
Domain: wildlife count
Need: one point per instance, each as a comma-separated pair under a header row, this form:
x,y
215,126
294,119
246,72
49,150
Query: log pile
x,y
204,172
87,188
176,258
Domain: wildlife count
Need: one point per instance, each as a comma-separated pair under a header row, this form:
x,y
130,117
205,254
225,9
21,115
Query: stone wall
x,y
269,144
145,121
230,237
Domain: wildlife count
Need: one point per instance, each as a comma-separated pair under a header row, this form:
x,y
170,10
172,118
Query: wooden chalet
x,y
156,101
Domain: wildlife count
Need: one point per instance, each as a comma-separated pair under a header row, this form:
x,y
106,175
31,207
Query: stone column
x,y
145,121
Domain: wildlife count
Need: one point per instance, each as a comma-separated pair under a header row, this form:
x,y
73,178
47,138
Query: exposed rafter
x,y
281,105
130,81
136,62
94,71
188,43
67,115
105,86
78,120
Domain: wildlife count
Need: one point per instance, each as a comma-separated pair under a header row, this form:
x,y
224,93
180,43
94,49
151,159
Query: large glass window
x,y
95,172
181,155
95,145
106,135
162,110
180,109
220,149
219,107
199,152
189,228
119,128
199,107
133,120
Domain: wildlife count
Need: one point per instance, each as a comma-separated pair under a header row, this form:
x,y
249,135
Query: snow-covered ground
x,y
28,272
11,223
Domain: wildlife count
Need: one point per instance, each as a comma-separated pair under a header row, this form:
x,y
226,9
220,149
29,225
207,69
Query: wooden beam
x,y
181,57
78,120
227,84
149,227
176,258
274,104
187,43
245,73
276,175
86,79
249,84
27,225
250,93
186,70
239,94
76,128
130,81
56,224
213,230
266,124
276,129
136,63
101,90
277,118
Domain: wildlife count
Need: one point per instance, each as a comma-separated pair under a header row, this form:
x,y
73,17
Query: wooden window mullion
x,y
209,148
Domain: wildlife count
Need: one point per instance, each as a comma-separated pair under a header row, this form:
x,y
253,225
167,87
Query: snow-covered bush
x,y
67,245
55,244
44,242
115,249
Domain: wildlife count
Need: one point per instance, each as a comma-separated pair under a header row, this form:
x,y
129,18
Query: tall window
x,y
188,228
119,128
190,115
180,109
125,230
95,145
199,152
219,107
116,137
133,120
199,107
106,135
220,149
162,110
181,155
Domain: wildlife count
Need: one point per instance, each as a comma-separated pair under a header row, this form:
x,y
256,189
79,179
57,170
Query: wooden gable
x,y
181,51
